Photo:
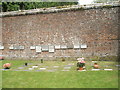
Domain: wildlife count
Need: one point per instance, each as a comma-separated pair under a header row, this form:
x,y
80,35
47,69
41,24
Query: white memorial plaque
x,y
30,68
34,66
42,68
108,69
1,47
63,47
57,46
11,47
76,46
44,48
32,47
84,46
38,48
51,49
95,69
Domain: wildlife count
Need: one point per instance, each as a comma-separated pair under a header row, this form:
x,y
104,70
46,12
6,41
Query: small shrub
x,y
63,59
81,8
107,6
95,58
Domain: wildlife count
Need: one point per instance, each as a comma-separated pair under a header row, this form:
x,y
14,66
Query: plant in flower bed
x,y
81,63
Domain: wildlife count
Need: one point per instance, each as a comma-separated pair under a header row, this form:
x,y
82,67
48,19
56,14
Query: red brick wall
x,y
98,28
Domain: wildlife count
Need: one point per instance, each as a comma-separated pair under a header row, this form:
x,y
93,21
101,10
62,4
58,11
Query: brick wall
x,y
0,34
97,28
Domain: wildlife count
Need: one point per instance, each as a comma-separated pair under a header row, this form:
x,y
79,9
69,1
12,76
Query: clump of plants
x,y
65,6
109,58
95,58
107,6
63,59
81,8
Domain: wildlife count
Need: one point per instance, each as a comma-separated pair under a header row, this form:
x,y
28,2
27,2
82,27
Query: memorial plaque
x,y
44,47
63,47
11,47
21,47
1,47
38,48
51,49
84,46
70,46
76,46
16,47
32,47
57,46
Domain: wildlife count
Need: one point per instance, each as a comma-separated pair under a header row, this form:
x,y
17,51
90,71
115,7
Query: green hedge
x,y
14,6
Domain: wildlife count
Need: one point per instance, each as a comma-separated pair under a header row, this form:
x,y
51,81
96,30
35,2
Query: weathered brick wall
x,y
98,28
0,34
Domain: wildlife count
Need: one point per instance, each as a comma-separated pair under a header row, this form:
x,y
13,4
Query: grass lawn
x,y
59,79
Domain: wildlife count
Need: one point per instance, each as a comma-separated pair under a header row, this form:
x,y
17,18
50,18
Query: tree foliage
x,y
104,1
14,6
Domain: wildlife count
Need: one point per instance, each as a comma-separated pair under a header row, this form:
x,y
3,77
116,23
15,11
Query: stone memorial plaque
x,y
81,70
70,46
76,46
117,65
84,46
38,49
30,68
11,47
51,49
108,69
44,47
38,70
21,47
63,47
51,70
16,70
65,70
55,66
20,67
67,67
16,47
42,68
25,70
32,47
34,66
95,69
57,46
1,47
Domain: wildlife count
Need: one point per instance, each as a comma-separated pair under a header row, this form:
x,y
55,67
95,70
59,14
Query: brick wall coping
x,y
58,9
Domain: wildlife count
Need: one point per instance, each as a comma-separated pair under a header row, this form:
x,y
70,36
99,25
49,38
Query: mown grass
x,y
89,79
58,79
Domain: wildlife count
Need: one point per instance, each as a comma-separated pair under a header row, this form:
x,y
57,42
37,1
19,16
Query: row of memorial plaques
x,y
52,48
49,48
16,47
43,48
